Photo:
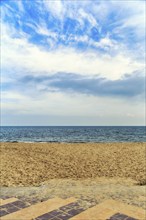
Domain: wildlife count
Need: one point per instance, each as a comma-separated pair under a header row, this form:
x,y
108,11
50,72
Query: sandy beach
x,y
32,164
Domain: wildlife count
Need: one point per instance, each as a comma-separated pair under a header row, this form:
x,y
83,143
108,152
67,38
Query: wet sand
x,y
33,164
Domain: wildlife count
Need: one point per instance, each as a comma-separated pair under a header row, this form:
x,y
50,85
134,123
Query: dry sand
x,y
32,164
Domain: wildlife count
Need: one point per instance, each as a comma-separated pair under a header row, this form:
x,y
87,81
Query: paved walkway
x,y
70,208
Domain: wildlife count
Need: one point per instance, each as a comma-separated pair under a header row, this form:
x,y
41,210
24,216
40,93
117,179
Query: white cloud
x,y
19,55
42,29
87,16
20,6
106,43
55,7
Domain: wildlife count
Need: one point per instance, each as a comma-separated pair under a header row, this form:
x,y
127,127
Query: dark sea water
x,y
73,134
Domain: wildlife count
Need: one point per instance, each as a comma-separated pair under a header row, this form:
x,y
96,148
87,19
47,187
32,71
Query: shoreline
x,y
73,142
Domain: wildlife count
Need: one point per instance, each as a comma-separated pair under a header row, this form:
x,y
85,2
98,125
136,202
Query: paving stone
x,y
130,218
5,197
12,209
3,213
7,206
65,208
74,212
1,208
46,216
113,217
70,206
122,217
7,201
55,218
20,204
118,216
64,216
56,212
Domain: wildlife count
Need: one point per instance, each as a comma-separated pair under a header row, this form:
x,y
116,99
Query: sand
x,y
32,164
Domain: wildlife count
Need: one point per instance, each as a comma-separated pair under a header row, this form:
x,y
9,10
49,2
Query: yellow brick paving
x,y
101,211
108,208
7,201
38,209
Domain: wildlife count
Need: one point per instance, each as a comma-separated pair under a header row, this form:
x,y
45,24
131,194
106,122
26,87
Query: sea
x,y
73,134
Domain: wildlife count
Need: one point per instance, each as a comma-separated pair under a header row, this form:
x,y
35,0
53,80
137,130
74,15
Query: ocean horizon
x,y
73,134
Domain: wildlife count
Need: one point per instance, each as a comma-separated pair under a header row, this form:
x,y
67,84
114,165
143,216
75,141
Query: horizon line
x,y
72,125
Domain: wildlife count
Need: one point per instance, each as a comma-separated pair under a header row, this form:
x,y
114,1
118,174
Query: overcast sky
x,y
72,62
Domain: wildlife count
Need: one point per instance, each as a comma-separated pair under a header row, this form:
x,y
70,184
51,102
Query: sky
x,y
73,62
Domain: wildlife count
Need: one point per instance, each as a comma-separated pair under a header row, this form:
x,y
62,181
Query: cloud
x,y
22,57
128,86
55,7
123,21
58,38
